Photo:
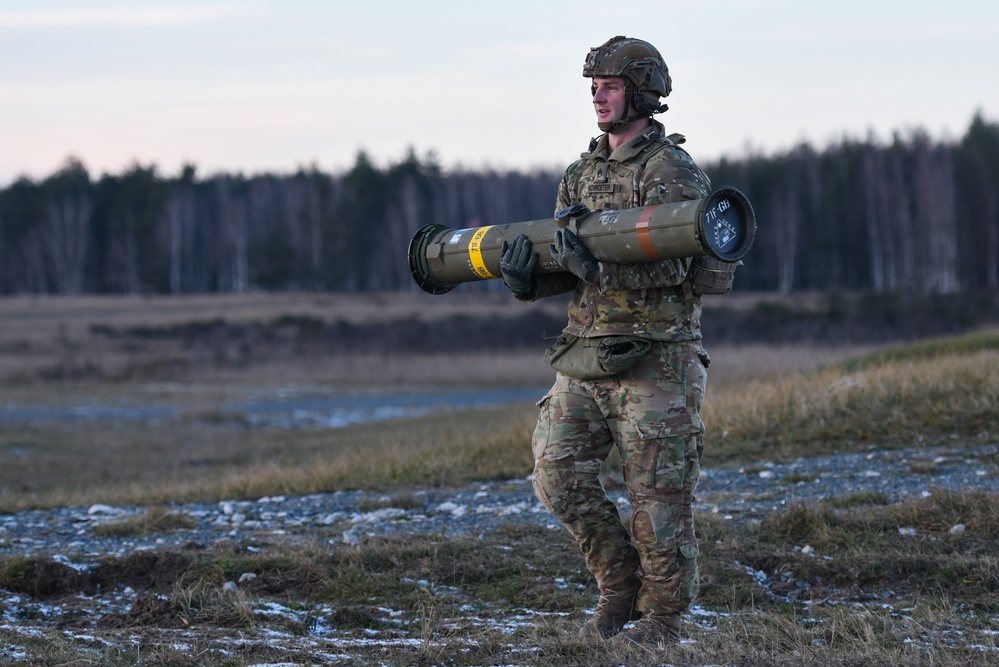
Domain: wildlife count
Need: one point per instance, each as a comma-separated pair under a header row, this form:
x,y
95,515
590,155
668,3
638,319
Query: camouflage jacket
x,y
648,299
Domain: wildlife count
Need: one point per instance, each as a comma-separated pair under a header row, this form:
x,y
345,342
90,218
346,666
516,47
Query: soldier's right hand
x,y
517,262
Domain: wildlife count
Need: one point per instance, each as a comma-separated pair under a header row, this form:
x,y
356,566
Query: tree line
x,y
911,215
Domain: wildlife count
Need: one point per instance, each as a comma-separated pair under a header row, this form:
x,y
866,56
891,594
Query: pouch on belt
x,y
595,358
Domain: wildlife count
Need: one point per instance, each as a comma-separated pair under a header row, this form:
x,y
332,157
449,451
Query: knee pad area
x,y
652,522
564,492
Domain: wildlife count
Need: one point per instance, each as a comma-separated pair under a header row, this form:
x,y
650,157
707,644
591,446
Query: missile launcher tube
x,y
721,225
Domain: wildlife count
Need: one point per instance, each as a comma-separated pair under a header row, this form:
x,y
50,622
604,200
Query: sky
x,y
257,86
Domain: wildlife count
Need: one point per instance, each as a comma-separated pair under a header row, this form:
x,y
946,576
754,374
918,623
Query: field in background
x,y
467,337
243,338
830,583
202,353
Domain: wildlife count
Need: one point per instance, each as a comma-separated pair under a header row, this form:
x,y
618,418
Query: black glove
x,y
516,264
573,256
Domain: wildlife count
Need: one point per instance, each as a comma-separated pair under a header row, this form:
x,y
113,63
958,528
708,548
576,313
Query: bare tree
x,y
66,232
935,217
233,245
180,212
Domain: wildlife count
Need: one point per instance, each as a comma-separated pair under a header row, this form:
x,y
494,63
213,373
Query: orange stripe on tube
x,y
642,232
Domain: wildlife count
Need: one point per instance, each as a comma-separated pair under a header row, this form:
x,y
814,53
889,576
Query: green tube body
x,y
722,225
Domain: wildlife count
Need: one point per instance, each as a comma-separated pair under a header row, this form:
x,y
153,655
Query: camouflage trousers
x,y
652,414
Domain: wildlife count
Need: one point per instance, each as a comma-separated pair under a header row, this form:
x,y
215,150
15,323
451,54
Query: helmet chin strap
x,y
635,102
616,125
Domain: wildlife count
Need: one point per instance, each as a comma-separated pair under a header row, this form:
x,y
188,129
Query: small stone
x,y
956,530
229,586
247,576
907,532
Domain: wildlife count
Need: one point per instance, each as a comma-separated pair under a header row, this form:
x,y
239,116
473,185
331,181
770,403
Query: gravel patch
x,y
743,493
67,536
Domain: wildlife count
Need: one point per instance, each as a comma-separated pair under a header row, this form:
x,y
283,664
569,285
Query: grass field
x,y
859,594
53,355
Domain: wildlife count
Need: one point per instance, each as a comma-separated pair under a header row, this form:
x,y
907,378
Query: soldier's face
x,y
609,98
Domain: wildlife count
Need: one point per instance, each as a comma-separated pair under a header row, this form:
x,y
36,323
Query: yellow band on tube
x,y
475,252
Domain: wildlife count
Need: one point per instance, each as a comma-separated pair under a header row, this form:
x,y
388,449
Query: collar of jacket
x,y
600,148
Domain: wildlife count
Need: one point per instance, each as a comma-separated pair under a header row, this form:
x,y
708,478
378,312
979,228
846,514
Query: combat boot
x,y
614,609
652,632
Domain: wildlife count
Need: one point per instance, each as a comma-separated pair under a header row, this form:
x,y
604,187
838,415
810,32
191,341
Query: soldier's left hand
x,y
573,256
517,262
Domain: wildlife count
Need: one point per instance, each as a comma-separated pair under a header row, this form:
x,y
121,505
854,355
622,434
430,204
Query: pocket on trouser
x,y
542,430
668,578
678,465
690,576
551,489
569,446
549,480
657,466
663,533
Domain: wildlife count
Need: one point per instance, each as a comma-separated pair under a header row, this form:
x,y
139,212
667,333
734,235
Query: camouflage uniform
x,y
652,411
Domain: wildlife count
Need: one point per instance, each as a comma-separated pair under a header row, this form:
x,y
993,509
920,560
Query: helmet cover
x,y
639,64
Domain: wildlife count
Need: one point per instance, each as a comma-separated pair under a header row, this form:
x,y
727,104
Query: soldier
x,y
646,316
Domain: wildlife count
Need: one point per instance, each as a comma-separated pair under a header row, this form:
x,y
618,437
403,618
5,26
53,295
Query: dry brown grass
x,y
29,317
755,361
517,596
44,338
782,400
867,595
203,454
191,460
837,407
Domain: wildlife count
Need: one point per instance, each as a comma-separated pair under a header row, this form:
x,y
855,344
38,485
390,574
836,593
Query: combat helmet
x,y
642,68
